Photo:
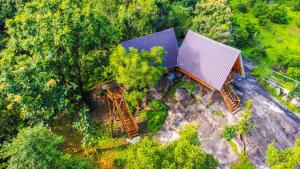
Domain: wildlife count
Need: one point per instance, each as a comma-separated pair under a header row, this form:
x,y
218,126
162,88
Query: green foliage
x,y
190,86
263,21
243,162
242,7
278,14
33,91
184,153
176,15
138,17
137,70
248,104
37,147
296,6
213,19
245,125
257,53
228,132
62,32
287,158
156,116
8,8
244,32
261,9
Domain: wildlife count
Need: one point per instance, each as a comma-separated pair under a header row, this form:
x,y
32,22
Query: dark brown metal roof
x,y
166,39
206,59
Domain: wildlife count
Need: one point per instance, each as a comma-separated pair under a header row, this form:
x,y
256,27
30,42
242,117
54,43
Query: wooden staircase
x,y
231,99
119,105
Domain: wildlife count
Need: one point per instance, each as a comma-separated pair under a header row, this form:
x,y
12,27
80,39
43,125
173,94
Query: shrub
x,y
296,6
248,104
243,32
261,9
257,53
156,116
278,14
287,158
263,21
245,125
242,7
229,132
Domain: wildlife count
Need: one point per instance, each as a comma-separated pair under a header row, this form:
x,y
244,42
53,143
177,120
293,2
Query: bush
x,y
263,21
243,32
296,6
156,116
278,14
287,158
228,132
257,53
261,9
298,22
245,125
242,7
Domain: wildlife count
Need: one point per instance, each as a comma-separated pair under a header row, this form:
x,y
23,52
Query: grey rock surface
x,y
273,122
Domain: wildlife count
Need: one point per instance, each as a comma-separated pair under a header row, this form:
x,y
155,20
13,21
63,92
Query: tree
x,y
287,158
8,8
64,32
176,20
213,19
37,147
137,70
138,18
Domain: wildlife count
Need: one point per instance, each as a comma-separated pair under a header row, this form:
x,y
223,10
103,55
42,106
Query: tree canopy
x,y
37,147
137,70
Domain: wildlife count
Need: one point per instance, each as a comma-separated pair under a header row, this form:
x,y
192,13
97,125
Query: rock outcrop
x,y
272,122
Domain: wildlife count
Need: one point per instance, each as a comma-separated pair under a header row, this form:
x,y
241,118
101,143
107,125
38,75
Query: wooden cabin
x,y
208,62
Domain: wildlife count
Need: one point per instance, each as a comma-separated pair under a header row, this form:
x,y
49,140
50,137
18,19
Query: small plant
x,y
156,116
229,132
296,6
218,113
248,104
245,126
263,21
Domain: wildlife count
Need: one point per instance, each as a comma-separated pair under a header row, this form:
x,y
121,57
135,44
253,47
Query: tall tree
x,y
64,31
137,70
213,19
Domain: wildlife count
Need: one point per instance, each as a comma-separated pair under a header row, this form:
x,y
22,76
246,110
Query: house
x,y
209,62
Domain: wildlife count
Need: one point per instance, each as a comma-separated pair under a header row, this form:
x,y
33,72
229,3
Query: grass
x,y
234,146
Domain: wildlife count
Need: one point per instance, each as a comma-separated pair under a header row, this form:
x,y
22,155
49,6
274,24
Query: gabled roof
x,y
206,59
166,39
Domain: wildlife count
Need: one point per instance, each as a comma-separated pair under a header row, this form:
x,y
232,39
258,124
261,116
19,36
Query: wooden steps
x,y
231,99
123,112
